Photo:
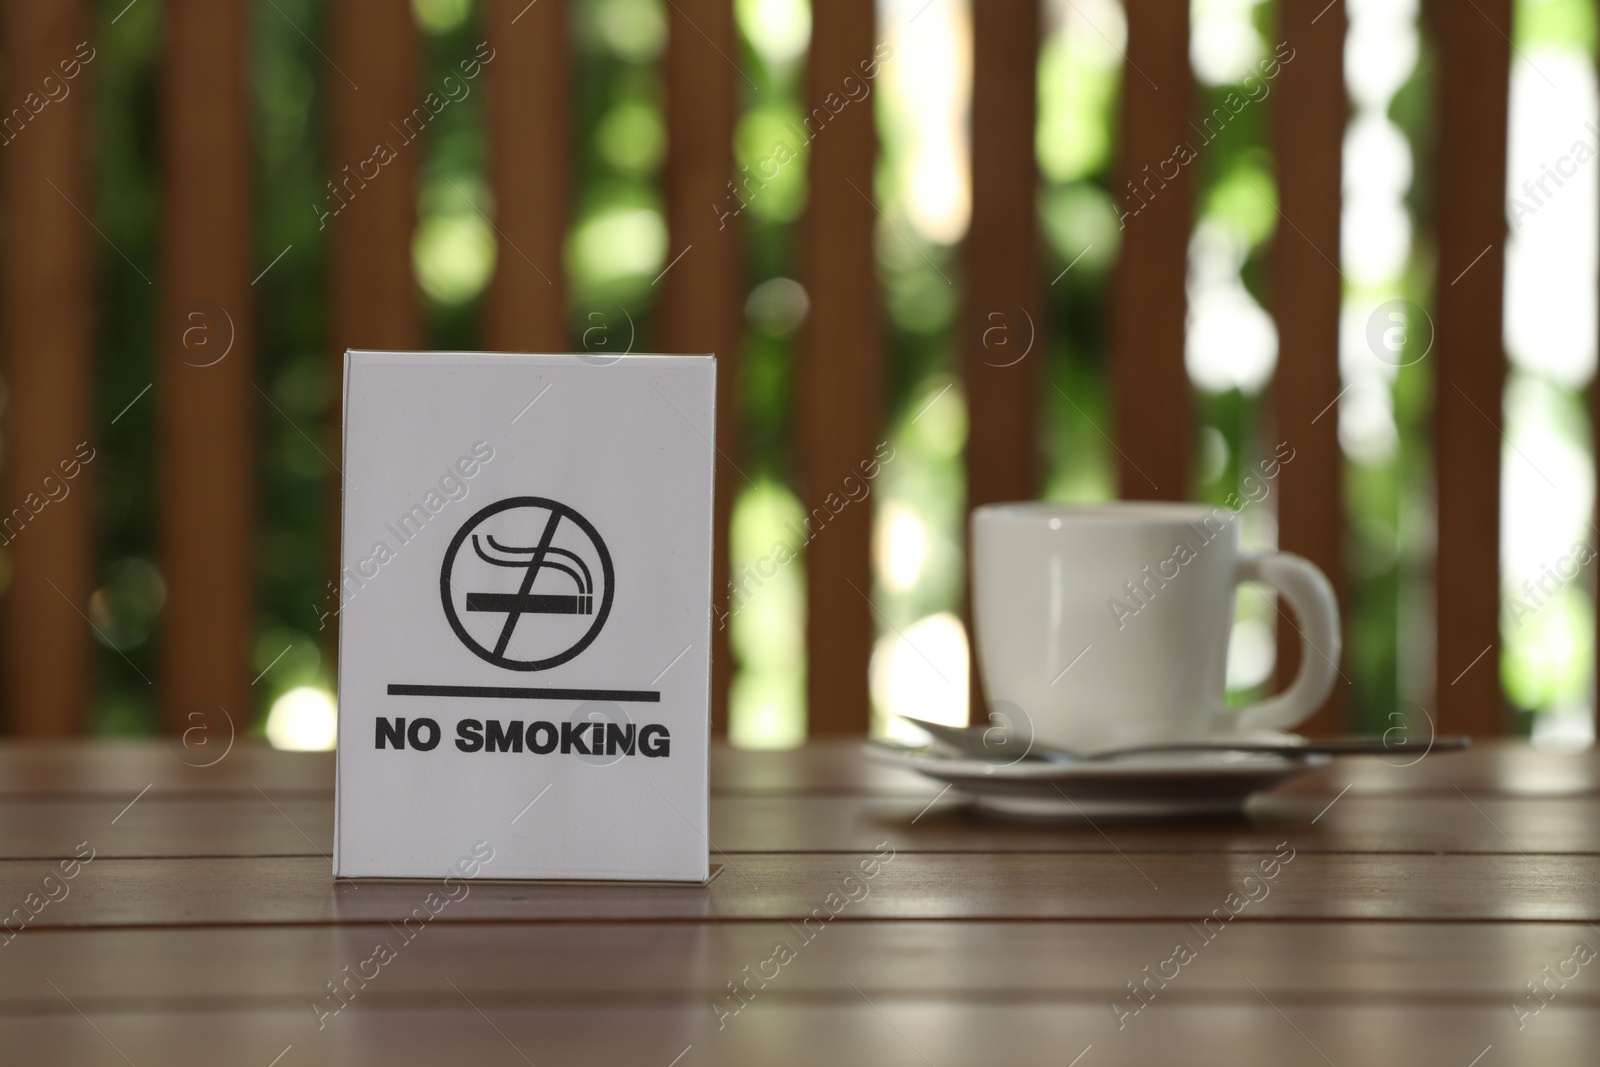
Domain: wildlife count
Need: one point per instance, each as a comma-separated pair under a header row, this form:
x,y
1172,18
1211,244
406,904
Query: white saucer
x,y
1149,786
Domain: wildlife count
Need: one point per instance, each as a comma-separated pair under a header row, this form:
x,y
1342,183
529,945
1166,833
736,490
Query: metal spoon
x,y
976,741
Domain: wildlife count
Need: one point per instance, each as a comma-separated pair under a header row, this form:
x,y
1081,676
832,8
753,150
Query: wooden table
x,y
1417,903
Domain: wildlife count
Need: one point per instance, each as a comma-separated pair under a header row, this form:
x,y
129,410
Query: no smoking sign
x,y
525,649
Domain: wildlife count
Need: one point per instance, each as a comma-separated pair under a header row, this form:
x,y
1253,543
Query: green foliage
x,y
297,430
126,209
1563,23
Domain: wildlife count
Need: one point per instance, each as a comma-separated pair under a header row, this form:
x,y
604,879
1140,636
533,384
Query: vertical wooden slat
x,y
1474,87
374,84
840,416
1004,343
1311,112
206,405
1469,370
702,293
375,88
530,163
1153,400
49,310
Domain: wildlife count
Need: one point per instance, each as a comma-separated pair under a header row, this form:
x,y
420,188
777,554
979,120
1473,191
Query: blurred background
x,y
645,110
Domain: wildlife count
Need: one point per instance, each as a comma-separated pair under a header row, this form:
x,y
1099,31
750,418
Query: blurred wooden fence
x,y
207,422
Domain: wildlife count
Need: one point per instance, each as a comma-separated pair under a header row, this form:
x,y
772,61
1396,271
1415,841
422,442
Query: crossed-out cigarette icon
x,y
524,542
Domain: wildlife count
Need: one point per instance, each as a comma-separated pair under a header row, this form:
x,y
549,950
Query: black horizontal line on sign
x,y
517,692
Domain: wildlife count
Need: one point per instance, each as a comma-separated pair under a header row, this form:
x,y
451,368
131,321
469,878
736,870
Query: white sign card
x,y
525,615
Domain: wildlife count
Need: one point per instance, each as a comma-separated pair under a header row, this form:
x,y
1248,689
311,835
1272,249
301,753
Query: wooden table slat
x,y
214,968
123,768
845,1028
956,886
170,826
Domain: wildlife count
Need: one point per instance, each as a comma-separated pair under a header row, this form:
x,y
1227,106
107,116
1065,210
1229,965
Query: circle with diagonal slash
x,y
523,595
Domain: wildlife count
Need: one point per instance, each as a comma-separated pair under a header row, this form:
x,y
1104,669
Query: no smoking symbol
x,y
527,583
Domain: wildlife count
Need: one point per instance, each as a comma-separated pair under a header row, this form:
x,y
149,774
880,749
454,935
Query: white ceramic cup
x,y
1106,625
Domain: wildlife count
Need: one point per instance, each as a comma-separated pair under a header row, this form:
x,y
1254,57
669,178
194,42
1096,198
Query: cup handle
x,y
1311,598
